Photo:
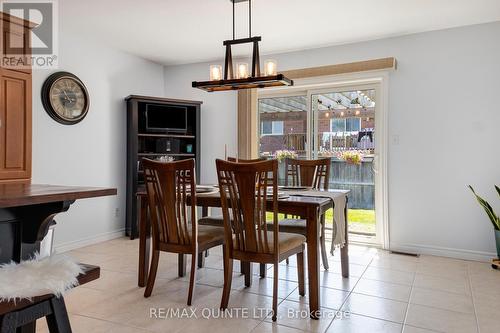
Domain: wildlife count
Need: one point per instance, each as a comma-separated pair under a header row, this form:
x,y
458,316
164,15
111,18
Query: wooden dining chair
x,y
314,174
247,191
171,194
218,220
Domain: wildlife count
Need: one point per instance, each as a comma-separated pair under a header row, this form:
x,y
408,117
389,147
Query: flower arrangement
x,y
350,156
280,155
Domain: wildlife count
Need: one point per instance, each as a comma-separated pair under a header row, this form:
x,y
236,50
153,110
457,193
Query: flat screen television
x,y
166,118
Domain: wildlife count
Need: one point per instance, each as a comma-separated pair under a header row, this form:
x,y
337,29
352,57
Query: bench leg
x,y
9,323
58,320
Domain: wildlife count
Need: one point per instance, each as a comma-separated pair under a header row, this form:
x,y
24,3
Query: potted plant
x,y
353,157
494,218
282,155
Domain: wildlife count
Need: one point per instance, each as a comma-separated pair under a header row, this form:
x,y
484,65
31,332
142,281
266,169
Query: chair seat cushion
x,y
209,234
296,226
216,220
294,223
287,241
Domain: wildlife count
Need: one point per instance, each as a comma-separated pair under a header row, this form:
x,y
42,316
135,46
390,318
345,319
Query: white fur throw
x,y
35,277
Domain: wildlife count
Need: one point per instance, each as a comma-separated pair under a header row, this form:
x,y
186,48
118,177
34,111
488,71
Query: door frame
x,y
378,80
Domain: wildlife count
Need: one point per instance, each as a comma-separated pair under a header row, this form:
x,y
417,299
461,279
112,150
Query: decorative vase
x,y
497,238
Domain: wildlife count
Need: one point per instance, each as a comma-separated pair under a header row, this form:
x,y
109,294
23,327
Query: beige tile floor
x,y
385,293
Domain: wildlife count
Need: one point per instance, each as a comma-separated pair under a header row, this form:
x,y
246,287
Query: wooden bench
x,y
14,314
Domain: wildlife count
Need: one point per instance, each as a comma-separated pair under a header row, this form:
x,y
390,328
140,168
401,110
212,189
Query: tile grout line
x,y
408,304
349,294
111,322
473,299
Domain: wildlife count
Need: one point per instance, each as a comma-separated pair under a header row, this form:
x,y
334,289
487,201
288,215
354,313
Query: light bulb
x,y
270,66
215,72
242,72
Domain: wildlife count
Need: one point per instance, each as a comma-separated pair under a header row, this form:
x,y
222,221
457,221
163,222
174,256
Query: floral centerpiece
x,y
281,155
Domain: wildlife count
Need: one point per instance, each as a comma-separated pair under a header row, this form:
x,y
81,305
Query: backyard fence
x,y
357,178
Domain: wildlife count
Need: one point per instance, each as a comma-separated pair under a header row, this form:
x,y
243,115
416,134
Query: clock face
x,y
65,98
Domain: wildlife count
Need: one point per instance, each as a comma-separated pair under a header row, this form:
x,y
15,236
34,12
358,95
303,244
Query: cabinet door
x,y
15,47
15,125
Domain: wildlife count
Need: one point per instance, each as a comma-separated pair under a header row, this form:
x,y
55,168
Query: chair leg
x,y
201,259
228,277
58,320
192,279
301,273
322,243
275,291
152,273
263,270
248,268
181,262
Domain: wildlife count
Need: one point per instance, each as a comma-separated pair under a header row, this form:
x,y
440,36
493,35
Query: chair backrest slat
x,y
245,188
313,173
241,160
169,186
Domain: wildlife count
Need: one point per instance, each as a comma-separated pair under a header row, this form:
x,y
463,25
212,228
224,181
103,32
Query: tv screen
x,y
166,118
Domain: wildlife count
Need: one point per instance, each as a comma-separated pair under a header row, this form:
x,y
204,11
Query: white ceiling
x,y
177,32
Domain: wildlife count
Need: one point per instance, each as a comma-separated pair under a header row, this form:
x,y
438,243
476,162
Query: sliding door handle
x,y
375,164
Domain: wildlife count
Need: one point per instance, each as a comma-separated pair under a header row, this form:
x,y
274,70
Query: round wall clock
x,y
65,98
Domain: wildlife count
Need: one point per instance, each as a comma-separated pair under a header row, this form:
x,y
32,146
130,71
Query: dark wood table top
x,y
13,195
212,199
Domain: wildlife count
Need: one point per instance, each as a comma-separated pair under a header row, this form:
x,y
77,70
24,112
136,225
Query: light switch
x,y
395,139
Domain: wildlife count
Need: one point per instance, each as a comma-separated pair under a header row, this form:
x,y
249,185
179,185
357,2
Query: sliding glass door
x,y
338,123
344,130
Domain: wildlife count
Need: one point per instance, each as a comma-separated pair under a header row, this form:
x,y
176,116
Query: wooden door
x,y
15,125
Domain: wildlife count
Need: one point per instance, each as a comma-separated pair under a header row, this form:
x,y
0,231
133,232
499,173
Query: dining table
x,y
308,207
26,213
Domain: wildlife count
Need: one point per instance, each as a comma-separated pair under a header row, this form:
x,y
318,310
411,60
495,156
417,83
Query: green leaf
x,y
498,190
488,209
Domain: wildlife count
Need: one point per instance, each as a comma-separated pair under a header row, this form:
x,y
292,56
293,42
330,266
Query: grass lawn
x,y
360,220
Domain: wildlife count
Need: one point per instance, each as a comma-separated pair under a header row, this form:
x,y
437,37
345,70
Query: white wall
x,y
442,105
92,152
218,115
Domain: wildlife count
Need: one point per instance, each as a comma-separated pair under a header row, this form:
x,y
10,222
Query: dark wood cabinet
x,y
15,102
172,131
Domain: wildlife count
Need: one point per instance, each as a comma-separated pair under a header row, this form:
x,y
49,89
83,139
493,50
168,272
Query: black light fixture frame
x,y
255,80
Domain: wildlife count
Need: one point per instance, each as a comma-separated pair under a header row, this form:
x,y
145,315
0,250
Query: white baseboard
x,y
443,251
72,245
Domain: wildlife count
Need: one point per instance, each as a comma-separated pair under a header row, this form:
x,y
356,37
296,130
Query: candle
x,y
270,67
215,72
242,72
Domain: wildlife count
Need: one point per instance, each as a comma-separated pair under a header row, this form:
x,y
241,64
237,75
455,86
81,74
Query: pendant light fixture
x,y
240,77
